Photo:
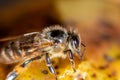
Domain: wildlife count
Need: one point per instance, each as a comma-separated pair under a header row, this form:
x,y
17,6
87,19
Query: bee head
x,y
58,34
74,42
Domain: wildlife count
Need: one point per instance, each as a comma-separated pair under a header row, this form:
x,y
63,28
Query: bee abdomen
x,y
19,48
10,53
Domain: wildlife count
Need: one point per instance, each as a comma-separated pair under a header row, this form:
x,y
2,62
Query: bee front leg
x,y
70,54
83,52
20,68
49,64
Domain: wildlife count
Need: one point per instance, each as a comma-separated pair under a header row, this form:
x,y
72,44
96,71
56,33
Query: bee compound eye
x,y
75,41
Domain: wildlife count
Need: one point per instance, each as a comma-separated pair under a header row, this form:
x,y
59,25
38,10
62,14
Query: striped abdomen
x,y
10,53
17,49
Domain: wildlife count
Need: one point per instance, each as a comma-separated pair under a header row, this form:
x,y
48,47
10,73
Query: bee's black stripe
x,y
15,48
9,52
3,56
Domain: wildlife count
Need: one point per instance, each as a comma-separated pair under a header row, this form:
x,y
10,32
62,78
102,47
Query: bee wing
x,y
4,41
8,39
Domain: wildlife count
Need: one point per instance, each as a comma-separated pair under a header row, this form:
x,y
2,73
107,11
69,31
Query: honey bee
x,y
54,41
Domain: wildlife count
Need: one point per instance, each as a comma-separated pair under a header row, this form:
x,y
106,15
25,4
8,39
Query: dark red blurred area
x,y
23,18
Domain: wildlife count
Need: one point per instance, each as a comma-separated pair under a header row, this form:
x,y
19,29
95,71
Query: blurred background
x,y
97,22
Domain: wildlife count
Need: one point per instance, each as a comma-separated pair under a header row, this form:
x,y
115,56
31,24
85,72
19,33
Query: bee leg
x,y
20,68
50,67
70,54
12,76
83,52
